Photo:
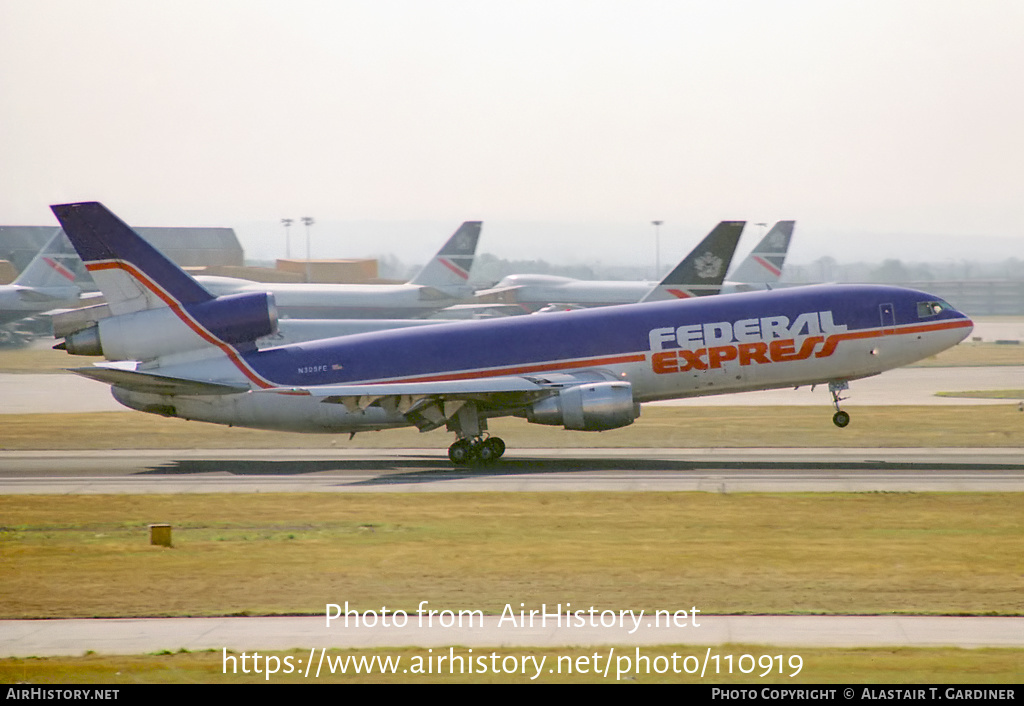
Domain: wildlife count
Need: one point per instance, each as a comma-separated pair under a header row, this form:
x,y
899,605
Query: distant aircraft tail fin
x,y
53,270
764,264
702,271
131,273
451,266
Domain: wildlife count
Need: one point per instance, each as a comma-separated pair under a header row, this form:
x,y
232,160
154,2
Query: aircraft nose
x,y
968,325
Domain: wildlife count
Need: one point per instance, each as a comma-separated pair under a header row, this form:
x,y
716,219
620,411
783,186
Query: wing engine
x,y
588,407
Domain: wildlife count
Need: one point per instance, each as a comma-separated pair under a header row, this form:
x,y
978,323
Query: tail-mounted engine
x,y
236,319
588,407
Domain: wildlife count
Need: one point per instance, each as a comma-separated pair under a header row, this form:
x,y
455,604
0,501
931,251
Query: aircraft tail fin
x,y
55,269
131,273
450,267
157,309
764,264
702,271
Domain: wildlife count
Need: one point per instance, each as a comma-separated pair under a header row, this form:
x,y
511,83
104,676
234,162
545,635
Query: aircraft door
x,y
888,316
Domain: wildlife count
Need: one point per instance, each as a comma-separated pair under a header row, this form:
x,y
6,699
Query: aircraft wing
x,y
431,404
493,291
432,294
446,388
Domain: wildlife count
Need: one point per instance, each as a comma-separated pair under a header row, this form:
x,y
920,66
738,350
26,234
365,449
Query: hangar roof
x,y
188,247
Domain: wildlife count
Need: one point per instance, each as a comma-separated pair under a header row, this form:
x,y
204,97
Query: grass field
x,y
877,553
986,394
819,666
259,554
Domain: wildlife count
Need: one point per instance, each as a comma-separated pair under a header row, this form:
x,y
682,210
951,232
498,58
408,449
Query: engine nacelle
x,y
236,319
588,407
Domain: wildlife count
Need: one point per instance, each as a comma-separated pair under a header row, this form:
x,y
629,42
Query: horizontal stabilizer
x,y
157,384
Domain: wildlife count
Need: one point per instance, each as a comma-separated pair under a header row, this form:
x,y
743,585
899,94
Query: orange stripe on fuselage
x,y
833,340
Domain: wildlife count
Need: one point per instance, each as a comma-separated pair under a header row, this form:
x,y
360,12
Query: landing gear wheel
x,y
490,450
499,446
840,418
462,452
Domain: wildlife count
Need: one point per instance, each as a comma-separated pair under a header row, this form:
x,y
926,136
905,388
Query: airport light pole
x,y
287,223
308,221
657,248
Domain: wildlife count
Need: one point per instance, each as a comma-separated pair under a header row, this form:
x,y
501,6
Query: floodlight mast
x,y
657,248
287,223
308,221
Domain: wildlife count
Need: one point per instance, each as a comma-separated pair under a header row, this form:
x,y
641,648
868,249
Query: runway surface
x,y
428,470
41,638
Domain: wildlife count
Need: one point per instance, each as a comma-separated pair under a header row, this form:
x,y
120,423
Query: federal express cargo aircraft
x,y
184,353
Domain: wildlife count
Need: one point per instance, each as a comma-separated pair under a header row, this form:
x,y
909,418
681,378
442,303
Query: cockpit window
x,y
926,309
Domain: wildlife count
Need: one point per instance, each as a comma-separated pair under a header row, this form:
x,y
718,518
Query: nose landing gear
x,y
840,418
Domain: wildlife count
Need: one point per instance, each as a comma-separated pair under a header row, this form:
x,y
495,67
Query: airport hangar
x,y
187,247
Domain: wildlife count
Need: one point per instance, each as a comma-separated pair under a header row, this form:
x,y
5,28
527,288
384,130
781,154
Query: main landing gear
x,y
466,451
840,418
472,445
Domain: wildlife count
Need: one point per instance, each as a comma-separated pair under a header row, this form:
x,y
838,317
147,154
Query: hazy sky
x,y
860,119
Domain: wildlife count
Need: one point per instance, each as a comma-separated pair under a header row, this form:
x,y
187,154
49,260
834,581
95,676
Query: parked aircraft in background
x,y
442,282
700,273
762,268
689,278
185,353
48,282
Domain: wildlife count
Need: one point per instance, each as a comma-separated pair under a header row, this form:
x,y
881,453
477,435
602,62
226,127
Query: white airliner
x,y
181,352
48,282
442,282
701,273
